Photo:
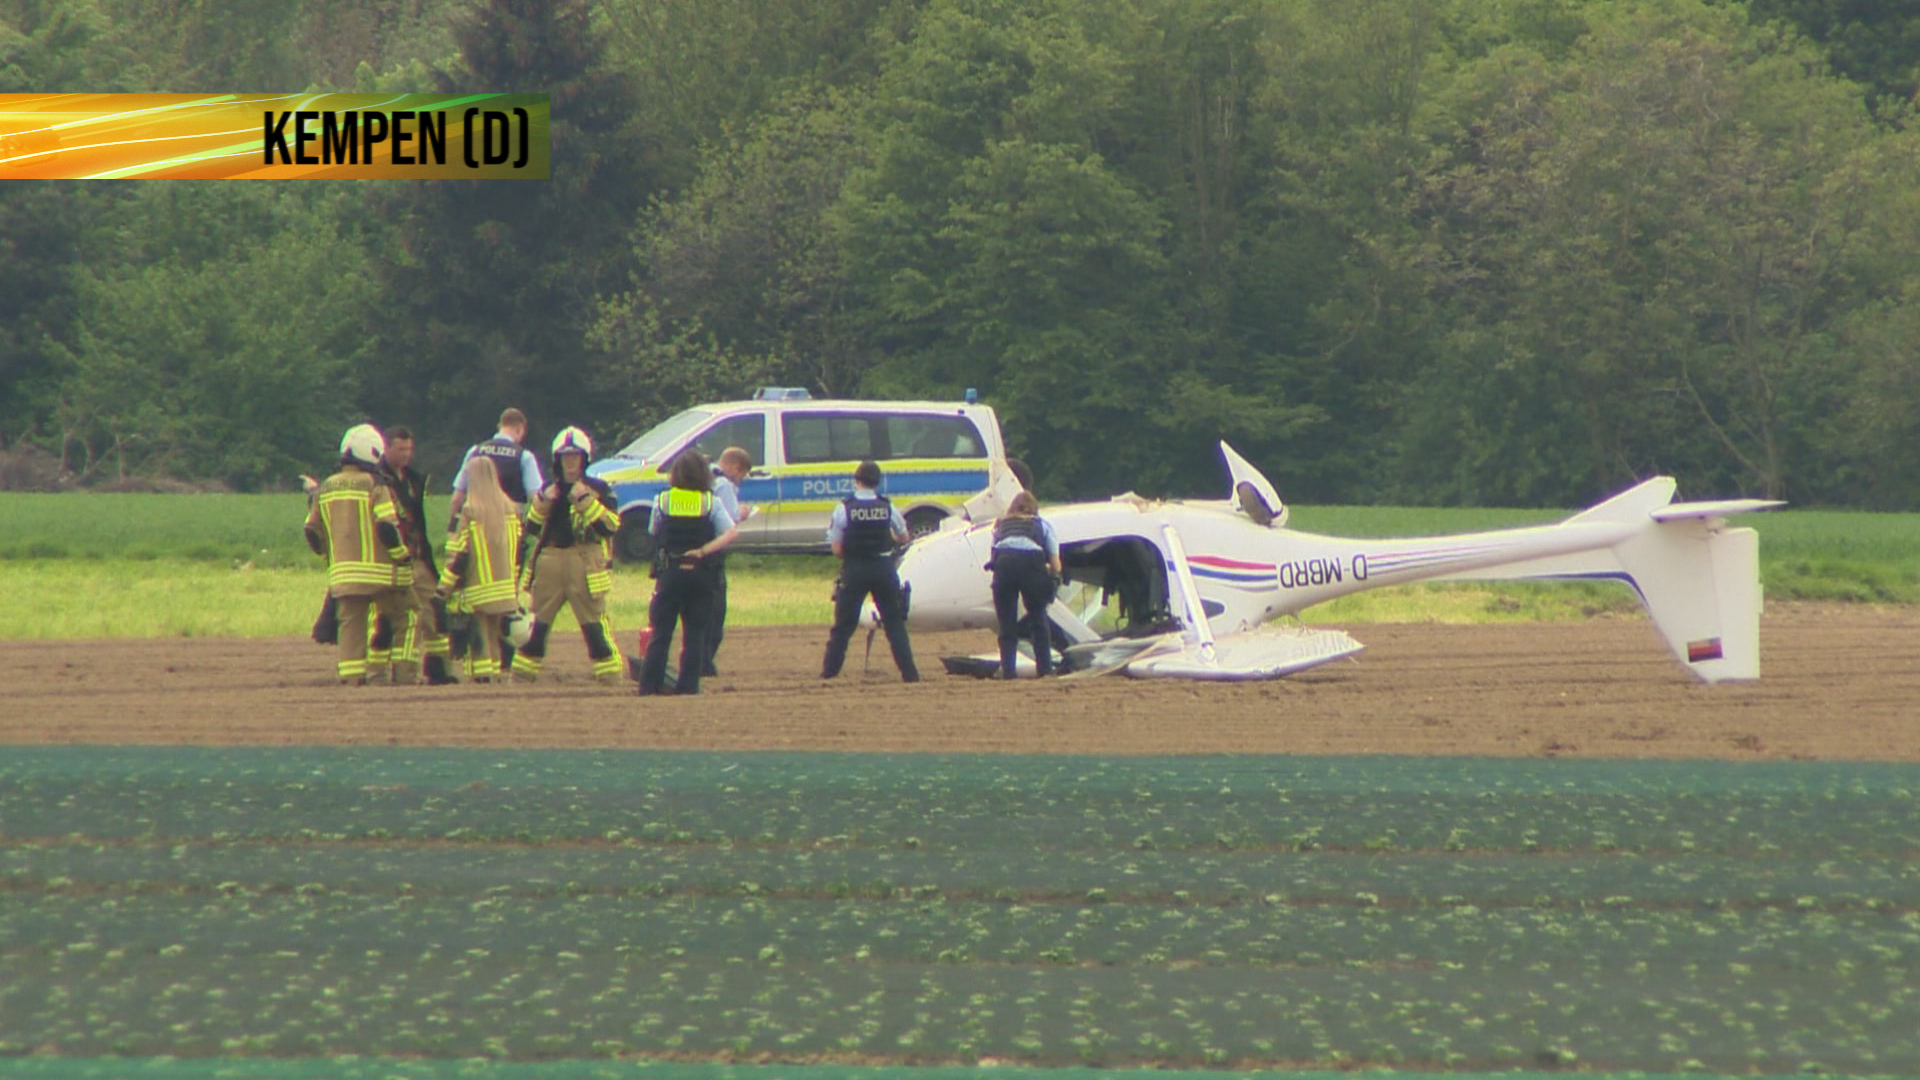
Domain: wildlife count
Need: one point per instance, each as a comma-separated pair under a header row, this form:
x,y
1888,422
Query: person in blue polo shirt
x,y
513,466
730,470
864,533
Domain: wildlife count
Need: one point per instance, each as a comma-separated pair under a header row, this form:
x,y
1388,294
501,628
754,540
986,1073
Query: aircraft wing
x,y
1258,654
1191,653
1708,510
1240,657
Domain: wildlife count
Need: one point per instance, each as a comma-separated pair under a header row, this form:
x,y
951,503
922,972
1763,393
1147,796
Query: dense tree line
x,y
1432,251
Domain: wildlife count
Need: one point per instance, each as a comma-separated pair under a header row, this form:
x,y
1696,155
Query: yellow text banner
x,y
274,136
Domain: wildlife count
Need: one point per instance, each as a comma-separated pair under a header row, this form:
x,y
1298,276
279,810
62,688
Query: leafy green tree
x,y
702,71
218,339
48,46
1873,42
1340,318
748,250
1512,251
663,366
496,282
992,244
225,46
1016,227
1651,243
1871,443
1875,439
66,46
42,224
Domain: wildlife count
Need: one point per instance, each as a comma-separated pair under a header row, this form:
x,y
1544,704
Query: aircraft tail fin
x,y
1698,579
1632,505
1701,585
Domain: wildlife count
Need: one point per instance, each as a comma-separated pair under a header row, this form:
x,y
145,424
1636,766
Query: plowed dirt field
x,y
1841,683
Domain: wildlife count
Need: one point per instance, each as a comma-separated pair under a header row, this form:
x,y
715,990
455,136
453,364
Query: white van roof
x,y
840,405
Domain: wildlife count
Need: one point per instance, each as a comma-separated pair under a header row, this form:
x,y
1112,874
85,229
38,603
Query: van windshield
x,y
664,434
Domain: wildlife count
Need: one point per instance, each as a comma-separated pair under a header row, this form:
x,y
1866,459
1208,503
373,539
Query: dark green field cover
x,y
563,914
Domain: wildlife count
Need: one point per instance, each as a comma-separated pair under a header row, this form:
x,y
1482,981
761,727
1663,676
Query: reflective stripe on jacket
x,y
348,509
482,566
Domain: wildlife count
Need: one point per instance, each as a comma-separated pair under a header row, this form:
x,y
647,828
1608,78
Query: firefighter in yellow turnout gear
x,y
567,554
480,563
354,524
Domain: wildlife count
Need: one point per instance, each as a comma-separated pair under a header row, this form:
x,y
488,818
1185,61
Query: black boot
x,y
607,664
382,639
326,628
461,634
437,673
536,650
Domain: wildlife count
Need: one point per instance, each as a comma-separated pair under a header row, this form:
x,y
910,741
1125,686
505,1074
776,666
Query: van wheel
x,y
633,543
924,522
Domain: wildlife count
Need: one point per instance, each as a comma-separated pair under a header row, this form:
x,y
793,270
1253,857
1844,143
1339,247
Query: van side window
x,y
934,436
748,432
814,437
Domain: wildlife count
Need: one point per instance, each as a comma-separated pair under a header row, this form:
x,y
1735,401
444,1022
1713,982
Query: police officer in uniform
x,y
567,554
354,524
513,465
864,533
1026,566
693,528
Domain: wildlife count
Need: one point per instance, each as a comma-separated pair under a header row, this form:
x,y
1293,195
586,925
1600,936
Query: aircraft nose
x,y
944,577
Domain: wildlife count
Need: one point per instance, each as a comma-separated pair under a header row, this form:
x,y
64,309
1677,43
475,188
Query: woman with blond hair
x,y
480,562
1026,563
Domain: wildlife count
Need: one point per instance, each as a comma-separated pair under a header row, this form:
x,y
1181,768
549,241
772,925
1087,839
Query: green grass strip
x,y
181,598
146,566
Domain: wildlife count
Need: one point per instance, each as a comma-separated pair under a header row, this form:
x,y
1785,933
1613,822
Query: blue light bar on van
x,y
782,393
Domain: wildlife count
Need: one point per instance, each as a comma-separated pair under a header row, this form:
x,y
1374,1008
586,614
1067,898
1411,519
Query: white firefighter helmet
x,y
362,443
572,441
517,628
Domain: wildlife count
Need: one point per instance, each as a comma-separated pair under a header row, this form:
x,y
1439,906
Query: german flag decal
x,y
1706,649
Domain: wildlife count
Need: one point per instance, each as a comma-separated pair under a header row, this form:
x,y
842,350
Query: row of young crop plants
x,y
504,982
300,904
1763,945
1007,874
860,812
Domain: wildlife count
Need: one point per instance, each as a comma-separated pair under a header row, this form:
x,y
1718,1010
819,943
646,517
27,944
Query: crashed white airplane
x,y
1179,589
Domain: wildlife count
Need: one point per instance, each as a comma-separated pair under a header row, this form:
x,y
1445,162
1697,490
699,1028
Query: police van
x,y
934,455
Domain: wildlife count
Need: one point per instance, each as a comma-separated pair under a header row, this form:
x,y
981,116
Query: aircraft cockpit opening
x,y
1117,586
